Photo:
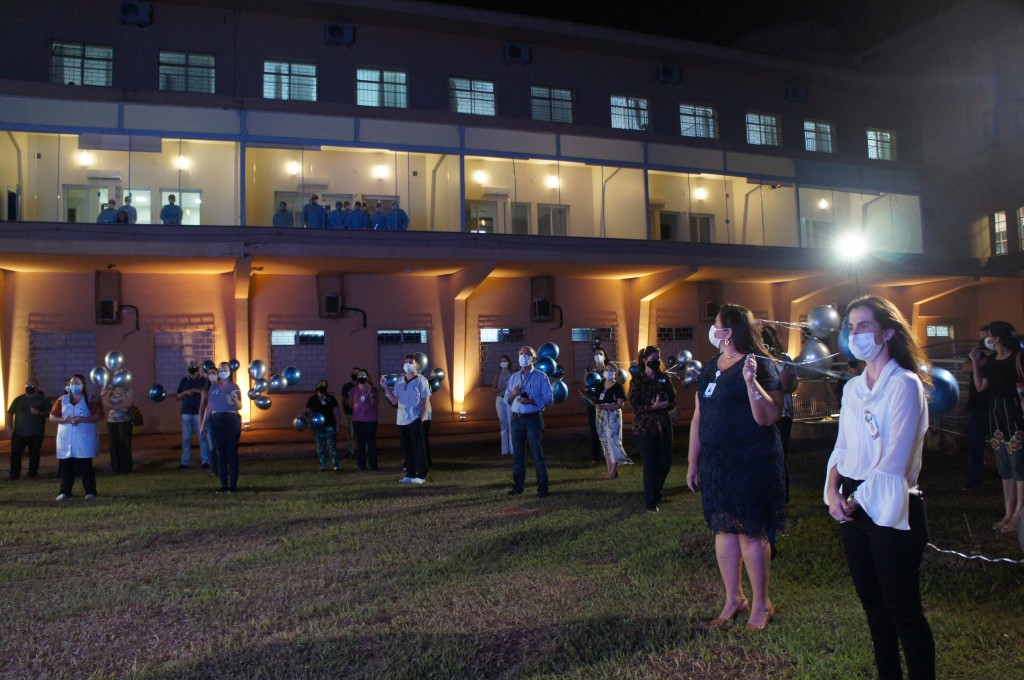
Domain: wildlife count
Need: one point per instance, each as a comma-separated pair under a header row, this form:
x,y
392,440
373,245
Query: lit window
x,y
1020,228
187,72
376,87
818,136
551,104
697,121
999,228
291,80
552,220
475,97
82,64
762,129
394,345
881,145
629,113
939,332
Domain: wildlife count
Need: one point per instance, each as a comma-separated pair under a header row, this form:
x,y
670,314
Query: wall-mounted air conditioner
x,y
500,192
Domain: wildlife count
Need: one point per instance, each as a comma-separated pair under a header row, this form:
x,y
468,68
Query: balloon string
x,y
975,557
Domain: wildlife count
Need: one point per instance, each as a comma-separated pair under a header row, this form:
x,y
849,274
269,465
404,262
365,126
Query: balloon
x,y
844,341
157,393
545,365
823,321
670,360
317,419
234,365
597,341
438,373
633,370
421,362
390,379
121,378
208,365
300,423
99,376
292,375
684,357
114,360
277,384
621,376
558,372
593,380
262,402
548,349
257,369
559,391
943,394
253,393
1020,341
691,372
260,386
435,384
814,355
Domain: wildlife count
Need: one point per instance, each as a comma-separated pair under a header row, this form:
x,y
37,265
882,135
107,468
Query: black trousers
x,y
19,442
120,441
426,443
885,566
366,443
227,430
411,436
69,467
656,451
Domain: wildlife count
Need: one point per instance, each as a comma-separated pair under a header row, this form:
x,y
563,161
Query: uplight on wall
x,y
480,177
293,168
380,171
462,416
823,204
84,159
183,163
700,193
552,181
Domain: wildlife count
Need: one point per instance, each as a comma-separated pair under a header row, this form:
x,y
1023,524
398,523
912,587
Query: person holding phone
x,y
652,397
222,405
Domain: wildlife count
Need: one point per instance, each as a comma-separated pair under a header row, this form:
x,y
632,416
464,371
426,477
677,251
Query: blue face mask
x,y
75,389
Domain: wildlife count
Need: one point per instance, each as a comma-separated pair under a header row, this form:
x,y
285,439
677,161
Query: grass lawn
x,y
352,575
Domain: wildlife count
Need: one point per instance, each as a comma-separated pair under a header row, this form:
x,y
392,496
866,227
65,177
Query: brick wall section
x,y
53,357
172,352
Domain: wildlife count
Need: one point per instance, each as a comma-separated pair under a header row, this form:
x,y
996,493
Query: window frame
x,y
1000,237
188,76
478,96
289,78
698,121
549,103
759,132
875,145
814,137
619,111
398,91
84,59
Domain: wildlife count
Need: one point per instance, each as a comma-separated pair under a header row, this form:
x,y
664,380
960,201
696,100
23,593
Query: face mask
x,y
322,389
598,358
193,371
609,375
863,346
504,364
990,343
654,364
362,379
711,337
525,360
409,368
75,389
30,390
224,375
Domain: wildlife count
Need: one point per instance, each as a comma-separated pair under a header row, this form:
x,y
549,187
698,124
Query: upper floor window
x,y
999,246
552,104
187,72
697,121
763,129
82,64
818,136
1020,228
629,113
881,145
472,96
289,80
377,87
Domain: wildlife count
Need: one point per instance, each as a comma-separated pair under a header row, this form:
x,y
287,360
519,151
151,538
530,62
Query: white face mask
x,y
409,368
598,359
711,337
224,375
863,346
990,343
504,364
609,375
525,360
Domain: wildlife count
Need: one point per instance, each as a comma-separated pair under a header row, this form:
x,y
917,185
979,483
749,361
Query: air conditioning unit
x,y
499,192
330,294
540,310
106,311
135,13
340,34
109,175
709,299
796,94
515,53
667,74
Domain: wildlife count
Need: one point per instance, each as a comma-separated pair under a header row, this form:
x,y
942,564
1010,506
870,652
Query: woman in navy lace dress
x,y
736,460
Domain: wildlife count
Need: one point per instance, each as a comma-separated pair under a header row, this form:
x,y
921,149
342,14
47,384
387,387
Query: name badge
x,y
710,390
362,398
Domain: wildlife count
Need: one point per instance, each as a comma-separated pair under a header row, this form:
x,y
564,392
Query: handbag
x,y
136,415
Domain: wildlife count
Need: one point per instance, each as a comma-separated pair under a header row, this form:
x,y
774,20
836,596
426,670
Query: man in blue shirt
x,y
398,219
129,209
283,216
313,215
190,393
108,215
337,218
170,213
528,393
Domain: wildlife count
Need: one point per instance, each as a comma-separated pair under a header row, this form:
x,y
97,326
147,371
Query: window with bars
x,y
943,331
999,242
629,113
818,136
187,72
82,64
172,352
881,145
301,349
552,104
292,80
474,97
495,343
382,88
394,345
697,121
763,129
673,339
54,357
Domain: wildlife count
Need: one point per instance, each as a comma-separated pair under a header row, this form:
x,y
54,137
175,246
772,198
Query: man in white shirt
x,y
411,394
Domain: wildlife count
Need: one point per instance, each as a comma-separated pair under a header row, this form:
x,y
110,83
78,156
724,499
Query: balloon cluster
x,y
681,363
434,378
261,385
815,356
113,372
547,363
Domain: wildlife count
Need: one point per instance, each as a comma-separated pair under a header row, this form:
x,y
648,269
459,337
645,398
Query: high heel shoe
x,y
720,621
771,615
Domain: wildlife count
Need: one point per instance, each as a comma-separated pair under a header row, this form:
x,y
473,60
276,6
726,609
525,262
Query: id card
x,y
710,390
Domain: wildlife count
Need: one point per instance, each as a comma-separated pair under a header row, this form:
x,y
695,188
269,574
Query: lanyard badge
x,y
872,427
711,386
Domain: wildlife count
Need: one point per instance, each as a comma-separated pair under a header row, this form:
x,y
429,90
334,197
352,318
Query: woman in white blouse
x,y
872,485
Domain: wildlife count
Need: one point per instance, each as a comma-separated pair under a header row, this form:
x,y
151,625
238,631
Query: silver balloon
x,y
621,376
99,376
421,362
114,360
277,384
253,393
438,373
691,372
121,378
257,369
823,321
262,402
814,355
684,357
300,423
260,386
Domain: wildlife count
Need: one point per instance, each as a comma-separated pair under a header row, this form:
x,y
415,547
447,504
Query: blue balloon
x,y
545,365
390,379
157,393
292,375
548,349
435,384
558,372
559,391
943,394
670,360
844,341
234,365
634,370
593,380
208,365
